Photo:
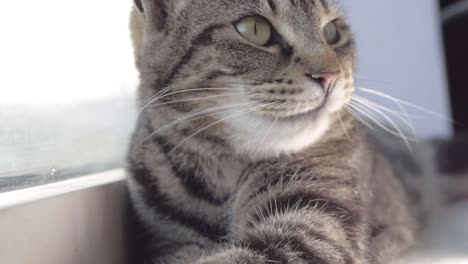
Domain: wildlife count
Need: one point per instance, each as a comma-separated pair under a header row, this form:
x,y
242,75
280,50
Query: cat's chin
x,y
260,138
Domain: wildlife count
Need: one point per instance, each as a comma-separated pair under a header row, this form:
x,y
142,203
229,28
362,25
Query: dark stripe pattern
x,y
193,184
273,7
279,248
309,200
154,198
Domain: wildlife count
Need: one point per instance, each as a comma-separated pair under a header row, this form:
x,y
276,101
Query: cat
x,y
244,151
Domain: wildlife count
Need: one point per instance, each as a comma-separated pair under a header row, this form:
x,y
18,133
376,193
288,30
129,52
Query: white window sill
x,y
79,221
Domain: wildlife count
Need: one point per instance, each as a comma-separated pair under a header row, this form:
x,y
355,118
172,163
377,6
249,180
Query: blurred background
x,y
400,53
455,35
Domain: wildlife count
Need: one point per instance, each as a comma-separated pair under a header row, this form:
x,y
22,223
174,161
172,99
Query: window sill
x,y
78,221
84,221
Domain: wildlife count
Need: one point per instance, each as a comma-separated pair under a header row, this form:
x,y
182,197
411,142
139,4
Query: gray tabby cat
x,y
243,152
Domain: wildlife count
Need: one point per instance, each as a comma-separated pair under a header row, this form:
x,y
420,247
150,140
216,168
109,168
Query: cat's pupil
x,y
255,29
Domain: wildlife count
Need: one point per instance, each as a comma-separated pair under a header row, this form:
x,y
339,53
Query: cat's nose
x,y
325,79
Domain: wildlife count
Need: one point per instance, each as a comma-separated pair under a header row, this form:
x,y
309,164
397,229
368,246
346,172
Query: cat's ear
x,y
139,6
157,11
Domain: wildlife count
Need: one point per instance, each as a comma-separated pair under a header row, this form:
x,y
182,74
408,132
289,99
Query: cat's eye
x,y
331,33
255,29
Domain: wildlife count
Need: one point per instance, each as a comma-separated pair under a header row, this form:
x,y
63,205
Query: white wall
x,y
400,53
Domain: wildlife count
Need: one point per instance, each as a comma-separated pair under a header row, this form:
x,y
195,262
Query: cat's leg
x,y
174,236
301,221
178,208
201,252
297,219
167,241
179,253
305,224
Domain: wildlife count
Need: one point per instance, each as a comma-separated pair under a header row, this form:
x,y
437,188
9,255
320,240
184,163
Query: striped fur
x,y
239,156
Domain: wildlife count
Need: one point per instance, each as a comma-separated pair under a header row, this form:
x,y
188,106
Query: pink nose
x,y
326,79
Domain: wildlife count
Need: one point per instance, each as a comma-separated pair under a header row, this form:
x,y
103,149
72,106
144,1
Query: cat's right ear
x,y
156,11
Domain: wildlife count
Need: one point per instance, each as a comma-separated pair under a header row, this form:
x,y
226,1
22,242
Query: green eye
x,y
331,33
255,29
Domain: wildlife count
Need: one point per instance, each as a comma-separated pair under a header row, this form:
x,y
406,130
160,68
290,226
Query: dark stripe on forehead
x,y
309,4
325,5
272,5
298,3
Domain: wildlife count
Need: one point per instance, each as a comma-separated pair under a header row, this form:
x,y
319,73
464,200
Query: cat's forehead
x,y
290,8
308,6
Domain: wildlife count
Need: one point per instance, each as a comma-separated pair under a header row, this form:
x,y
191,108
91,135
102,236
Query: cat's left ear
x,y
158,12
139,6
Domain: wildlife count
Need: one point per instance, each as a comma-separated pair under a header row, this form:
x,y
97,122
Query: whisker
x,y
269,131
187,118
217,122
254,129
185,91
230,82
365,79
405,103
155,96
380,110
358,112
366,100
398,133
343,126
400,105
363,110
196,99
357,117
256,80
274,122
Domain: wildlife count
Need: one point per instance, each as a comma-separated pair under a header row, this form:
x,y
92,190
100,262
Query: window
x,y
455,18
67,86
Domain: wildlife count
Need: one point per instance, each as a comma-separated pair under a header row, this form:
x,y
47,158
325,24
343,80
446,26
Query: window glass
x,y
67,84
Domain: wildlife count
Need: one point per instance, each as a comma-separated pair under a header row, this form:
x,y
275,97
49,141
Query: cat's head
x,y
264,76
